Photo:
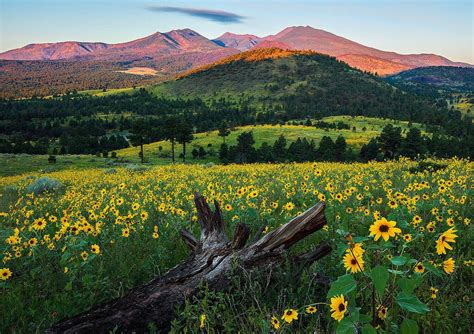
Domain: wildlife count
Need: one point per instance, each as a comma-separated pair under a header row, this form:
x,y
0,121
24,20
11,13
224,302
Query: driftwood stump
x,y
211,262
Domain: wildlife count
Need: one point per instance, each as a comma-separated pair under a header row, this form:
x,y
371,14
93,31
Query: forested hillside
x,y
267,86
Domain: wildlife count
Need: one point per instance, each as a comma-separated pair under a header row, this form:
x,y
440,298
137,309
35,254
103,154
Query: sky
x,y
423,26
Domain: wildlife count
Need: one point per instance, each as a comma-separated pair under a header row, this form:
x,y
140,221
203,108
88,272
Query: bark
x,y
172,150
213,259
184,151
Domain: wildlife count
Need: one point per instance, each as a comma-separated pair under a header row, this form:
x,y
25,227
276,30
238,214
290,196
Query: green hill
x,y
297,84
454,79
267,74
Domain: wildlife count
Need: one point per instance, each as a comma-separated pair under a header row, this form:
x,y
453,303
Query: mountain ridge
x,y
158,43
56,68
378,61
188,40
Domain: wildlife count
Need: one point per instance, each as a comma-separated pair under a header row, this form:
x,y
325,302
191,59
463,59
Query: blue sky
x,y
423,26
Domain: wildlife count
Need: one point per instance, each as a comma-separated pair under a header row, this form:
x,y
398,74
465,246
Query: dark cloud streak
x,y
209,14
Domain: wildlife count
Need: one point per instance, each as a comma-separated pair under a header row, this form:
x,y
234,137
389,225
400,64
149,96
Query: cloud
x,y
208,14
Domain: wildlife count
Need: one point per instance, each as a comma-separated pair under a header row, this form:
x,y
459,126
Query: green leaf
x,y
364,318
355,313
433,269
368,329
360,239
341,232
388,244
341,248
345,326
395,272
379,276
408,285
399,260
411,303
342,286
409,327
68,286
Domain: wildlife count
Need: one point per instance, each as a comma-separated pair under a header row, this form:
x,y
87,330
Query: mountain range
x,y
66,66
188,41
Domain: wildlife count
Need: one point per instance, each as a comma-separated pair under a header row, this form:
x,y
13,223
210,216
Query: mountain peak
x,y
241,42
186,40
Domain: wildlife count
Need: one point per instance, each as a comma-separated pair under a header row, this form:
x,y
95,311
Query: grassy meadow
x,y
80,237
15,164
210,141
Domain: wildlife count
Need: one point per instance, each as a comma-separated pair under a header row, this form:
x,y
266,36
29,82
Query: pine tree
x,y
184,136
224,130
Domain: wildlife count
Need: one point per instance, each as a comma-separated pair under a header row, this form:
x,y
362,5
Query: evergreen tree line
x,y
390,145
75,122
300,150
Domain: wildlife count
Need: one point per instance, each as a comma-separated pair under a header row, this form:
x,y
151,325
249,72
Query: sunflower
x,y
119,201
382,312
135,206
419,268
450,221
338,307
311,309
253,194
144,215
384,228
289,315
125,232
5,273
275,323
84,255
392,204
356,249
431,227
289,206
353,263
433,292
407,237
228,207
155,235
443,241
39,224
448,266
95,249
32,242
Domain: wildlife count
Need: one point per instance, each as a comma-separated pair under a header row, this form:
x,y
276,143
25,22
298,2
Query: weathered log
x,y
211,262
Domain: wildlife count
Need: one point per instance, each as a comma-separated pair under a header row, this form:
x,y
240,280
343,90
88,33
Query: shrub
x,y
43,185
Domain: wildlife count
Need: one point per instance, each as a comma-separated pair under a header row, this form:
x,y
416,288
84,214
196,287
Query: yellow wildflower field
x,y
399,231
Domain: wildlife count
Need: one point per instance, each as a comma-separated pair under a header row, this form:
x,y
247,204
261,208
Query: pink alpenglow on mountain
x,y
186,46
